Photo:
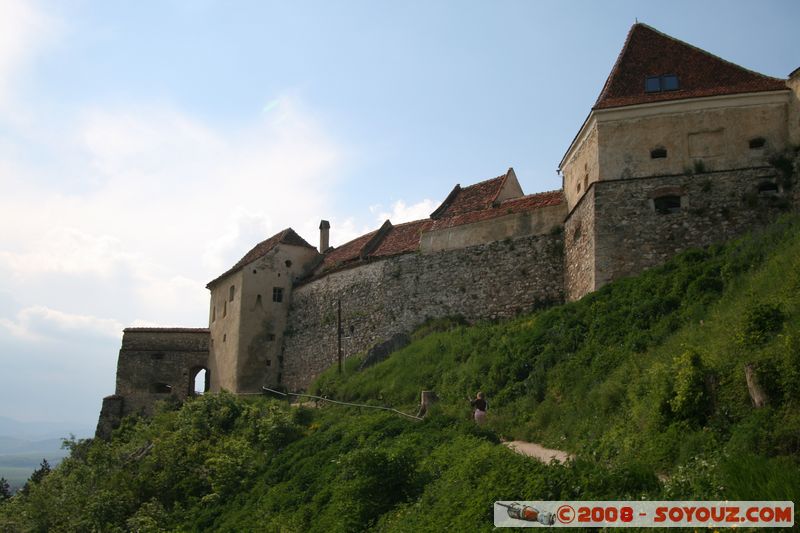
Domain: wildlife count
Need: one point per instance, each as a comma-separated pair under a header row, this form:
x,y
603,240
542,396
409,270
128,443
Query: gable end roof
x,y
287,236
648,52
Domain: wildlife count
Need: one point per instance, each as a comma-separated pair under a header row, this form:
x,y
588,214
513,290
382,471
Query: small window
x,y
578,187
161,388
213,313
270,337
224,337
255,271
658,153
224,308
758,142
669,82
767,188
157,356
232,292
288,263
655,84
258,299
269,362
277,294
652,84
666,205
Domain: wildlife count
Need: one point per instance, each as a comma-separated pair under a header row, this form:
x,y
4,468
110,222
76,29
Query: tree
x,y
5,490
38,475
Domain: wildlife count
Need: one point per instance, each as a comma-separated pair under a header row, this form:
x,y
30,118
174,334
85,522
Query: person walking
x,y
479,406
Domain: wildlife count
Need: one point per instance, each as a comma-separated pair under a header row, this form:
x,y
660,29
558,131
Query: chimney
x,y
324,231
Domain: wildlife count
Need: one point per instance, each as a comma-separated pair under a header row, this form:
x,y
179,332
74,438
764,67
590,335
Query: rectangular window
x,y
270,337
277,294
232,292
652,84
224,309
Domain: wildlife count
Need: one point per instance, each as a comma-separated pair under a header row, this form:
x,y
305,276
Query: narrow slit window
x,y
232,292
224,309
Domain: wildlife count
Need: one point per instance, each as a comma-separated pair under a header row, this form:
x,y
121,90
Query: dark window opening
x,y
224,309
232,292
213,312
665,205
258,299
255,271
658,153
157,356
270,337
655,84
758,142
161,388
288,263
767,188
277,294
200,380
578,187
224,337
269,362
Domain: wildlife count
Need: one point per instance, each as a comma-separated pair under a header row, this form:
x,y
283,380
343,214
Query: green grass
x,y
644,378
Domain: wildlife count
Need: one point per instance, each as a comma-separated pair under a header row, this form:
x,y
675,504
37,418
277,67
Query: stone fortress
x,y
674,154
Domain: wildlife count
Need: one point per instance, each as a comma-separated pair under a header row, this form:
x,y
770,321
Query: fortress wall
x,y
715,206
538,222
379,299
150,358
579,230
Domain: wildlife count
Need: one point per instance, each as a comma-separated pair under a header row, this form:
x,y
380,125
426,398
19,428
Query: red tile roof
x,y
462,206
346,253
472,198
507,207
648,52
402,238
287,236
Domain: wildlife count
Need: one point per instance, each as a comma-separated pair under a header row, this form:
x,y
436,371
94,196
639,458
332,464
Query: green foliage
x,y
761,321
690,401
5,490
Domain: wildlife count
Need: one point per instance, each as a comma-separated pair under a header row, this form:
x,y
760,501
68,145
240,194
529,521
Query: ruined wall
x,y
159,364
631,235
379,299
579,239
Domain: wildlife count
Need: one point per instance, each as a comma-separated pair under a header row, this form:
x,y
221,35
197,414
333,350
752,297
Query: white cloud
x,y
400,212
40,323
23,30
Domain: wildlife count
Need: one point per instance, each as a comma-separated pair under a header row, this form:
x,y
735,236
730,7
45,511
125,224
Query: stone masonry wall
x,y
579,229
715,206
151,358
379,299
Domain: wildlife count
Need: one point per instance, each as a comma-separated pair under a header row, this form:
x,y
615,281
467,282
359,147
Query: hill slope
x,y
644,377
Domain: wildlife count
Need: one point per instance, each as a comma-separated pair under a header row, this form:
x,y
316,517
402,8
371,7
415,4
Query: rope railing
x,y
267,389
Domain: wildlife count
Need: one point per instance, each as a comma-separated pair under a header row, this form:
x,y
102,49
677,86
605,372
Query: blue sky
x,y
146,146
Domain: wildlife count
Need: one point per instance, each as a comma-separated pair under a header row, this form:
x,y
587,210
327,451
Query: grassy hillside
x,y
645,378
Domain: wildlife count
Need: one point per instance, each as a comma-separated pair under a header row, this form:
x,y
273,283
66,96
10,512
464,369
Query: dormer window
x,y
657,84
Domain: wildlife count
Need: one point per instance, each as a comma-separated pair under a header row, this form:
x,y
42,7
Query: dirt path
x,y
531,449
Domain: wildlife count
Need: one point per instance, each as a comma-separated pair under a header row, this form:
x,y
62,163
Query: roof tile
x,y
648,52
287,236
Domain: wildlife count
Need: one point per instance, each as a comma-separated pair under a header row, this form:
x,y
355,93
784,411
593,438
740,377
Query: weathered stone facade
x,y
631,235
382,298
155,364
579,241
